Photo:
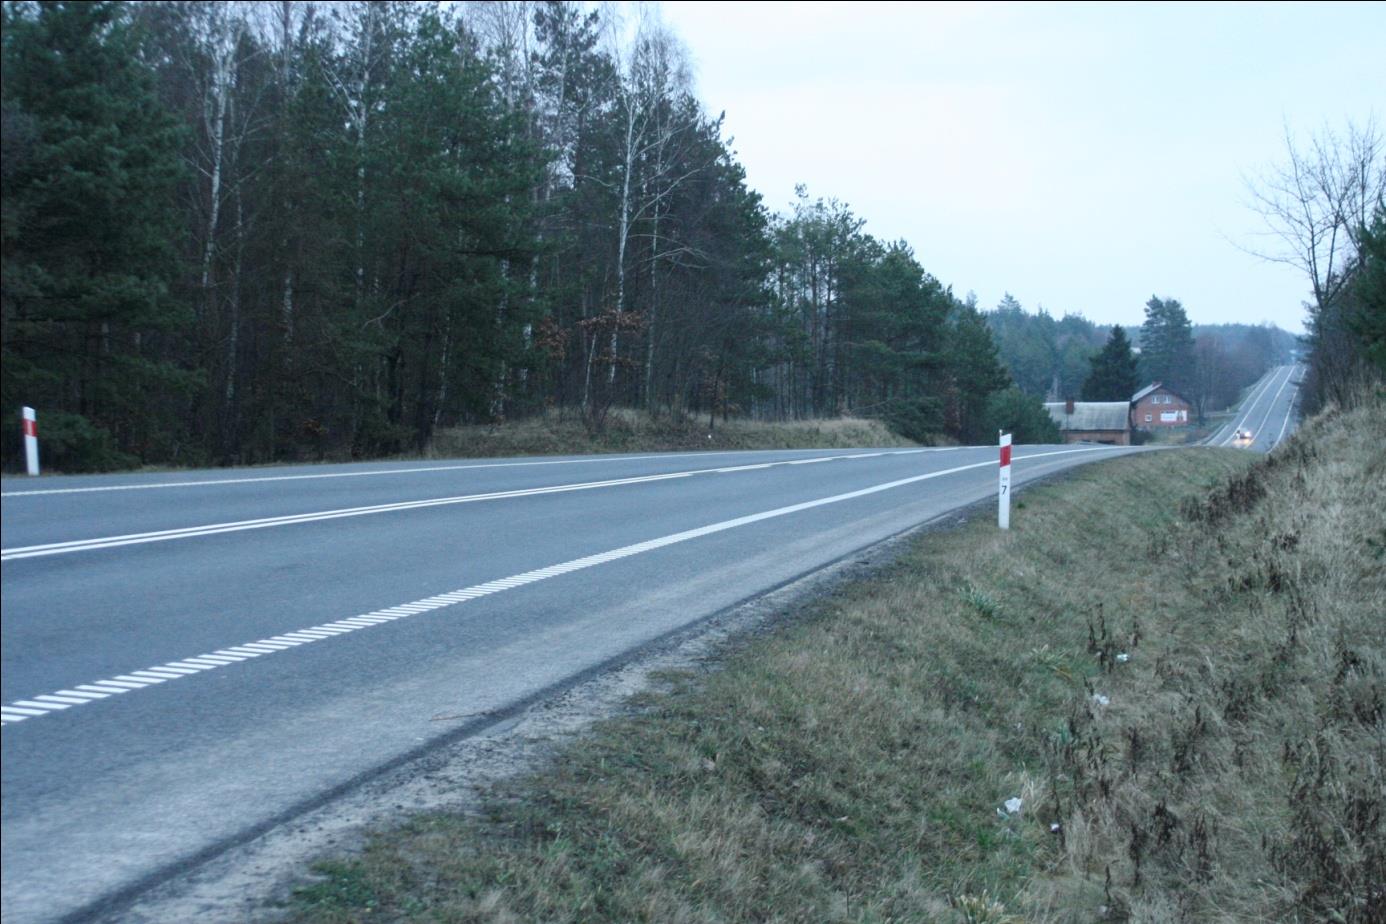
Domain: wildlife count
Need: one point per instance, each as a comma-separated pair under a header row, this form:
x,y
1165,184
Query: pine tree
x,y
1114,376
975,372
1167,344
89,220
1368,321
1021,415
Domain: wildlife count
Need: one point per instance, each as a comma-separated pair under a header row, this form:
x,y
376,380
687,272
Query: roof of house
x,y
1091,415
1156,386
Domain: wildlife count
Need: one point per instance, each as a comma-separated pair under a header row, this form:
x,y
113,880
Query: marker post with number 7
x,y
1003,508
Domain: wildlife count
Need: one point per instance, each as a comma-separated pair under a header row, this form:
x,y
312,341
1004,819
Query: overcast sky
x,y
1079,157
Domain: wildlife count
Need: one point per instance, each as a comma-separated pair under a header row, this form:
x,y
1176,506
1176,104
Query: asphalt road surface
x,y
1267,411
192,659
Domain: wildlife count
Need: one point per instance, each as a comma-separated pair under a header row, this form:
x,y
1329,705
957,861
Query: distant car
x,y
1244,436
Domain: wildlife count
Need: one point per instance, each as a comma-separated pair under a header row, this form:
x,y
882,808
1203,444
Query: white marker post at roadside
x,y
1003,501
30,439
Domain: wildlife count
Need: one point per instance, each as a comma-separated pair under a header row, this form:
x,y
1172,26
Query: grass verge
x,y
1174,662
624,431
631,431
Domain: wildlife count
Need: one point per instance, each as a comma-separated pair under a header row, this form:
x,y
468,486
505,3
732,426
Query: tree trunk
x,y
215,123
652,329
233,339
623,235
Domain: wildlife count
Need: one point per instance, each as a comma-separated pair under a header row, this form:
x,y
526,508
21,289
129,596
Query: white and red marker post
x,y
30,439
1003,502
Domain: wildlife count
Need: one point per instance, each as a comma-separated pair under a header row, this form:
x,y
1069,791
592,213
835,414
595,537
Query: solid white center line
x,y
213,529
22,710
147,486
214,482
1253,401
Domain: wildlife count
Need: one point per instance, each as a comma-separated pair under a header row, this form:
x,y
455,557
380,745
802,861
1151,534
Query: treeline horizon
x,y
254,232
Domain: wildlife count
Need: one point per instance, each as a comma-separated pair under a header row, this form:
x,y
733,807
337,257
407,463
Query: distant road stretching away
x,y
1268,411
192,658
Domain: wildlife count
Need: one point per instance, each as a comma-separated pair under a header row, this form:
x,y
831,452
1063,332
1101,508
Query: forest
x,y
237,233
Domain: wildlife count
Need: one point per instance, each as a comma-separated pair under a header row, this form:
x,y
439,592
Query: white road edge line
x,y
1289,412
1270,407
213,529
1289,374
22,710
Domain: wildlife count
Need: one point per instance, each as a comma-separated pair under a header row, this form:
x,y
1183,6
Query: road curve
x,y
191,659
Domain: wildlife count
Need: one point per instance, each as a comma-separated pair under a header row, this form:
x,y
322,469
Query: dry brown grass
x,y
1240,770
633,431
854,766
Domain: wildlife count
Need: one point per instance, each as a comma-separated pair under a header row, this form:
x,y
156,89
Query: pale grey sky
x,y
1081,157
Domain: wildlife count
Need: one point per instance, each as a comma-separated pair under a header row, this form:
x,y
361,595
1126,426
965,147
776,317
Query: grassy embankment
x,y
629,431
1178,659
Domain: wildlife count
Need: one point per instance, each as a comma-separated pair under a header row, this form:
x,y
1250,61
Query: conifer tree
x,y
975,372
1114,375
89,221
1167,344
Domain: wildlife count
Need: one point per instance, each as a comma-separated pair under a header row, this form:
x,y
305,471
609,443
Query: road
x,y
1267,410
190,660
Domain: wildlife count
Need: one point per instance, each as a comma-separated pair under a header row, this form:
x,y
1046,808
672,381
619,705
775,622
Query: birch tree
x,y
653,73
357,75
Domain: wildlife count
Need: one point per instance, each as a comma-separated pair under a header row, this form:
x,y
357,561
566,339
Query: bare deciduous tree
x,y
1317,206
1318,201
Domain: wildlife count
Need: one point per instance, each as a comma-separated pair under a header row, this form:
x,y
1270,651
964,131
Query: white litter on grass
x,y
1100,699
1013,805
1123,658
1055,828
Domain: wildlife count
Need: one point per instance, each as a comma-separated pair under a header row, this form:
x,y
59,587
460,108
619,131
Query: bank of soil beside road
x,y
1159,695
633,431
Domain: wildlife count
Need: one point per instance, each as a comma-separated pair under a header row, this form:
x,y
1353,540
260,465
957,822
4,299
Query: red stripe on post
x,y
30,428
1005,455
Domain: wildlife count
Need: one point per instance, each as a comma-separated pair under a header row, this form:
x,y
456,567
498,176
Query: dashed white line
x,y
31,704
25,709
55,698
